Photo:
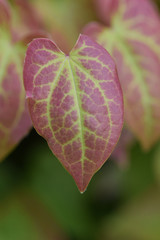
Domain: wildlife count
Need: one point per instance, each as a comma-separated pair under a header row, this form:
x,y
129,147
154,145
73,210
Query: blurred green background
x,y
39,199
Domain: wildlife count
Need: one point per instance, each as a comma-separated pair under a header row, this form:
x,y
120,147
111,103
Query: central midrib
x,y
80,117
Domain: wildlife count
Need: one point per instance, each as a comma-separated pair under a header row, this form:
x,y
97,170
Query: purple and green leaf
x,y
14,117
15,121
133,40
75,103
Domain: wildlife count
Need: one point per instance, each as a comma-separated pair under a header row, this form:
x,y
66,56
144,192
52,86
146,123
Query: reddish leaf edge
x,y
29,96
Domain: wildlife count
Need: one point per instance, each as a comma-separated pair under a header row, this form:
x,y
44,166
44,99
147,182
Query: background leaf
x,y
75,14
14,117
20,220
134,41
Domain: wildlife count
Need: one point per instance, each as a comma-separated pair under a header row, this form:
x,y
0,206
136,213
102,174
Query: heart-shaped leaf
x,y
75,102
14,117
134,41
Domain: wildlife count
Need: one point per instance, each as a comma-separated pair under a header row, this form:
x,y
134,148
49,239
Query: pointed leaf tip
x,y
76,103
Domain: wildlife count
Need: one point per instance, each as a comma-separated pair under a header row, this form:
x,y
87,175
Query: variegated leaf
x,y
134,41
75,102
14,117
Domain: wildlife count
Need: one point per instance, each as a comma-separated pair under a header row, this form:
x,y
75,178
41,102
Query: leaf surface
x,y
75,102
133,40
14,117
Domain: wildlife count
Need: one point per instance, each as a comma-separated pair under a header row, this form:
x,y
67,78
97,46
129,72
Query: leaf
x,y
15,122
106,9
14,118
134,42
75,102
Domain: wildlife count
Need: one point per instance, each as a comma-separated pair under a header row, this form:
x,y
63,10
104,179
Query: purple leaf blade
x,y
134,45
14,117
75,103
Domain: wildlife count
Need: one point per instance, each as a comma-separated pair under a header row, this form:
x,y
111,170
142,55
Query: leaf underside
x,y
75,103
133,40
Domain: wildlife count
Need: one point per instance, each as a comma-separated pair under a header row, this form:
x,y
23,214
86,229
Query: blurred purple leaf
x,y
134,41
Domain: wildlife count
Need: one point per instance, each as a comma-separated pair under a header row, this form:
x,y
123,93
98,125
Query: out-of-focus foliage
x,y
133,40
14,117
157,163
38,198
79,216
23,217
18,25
